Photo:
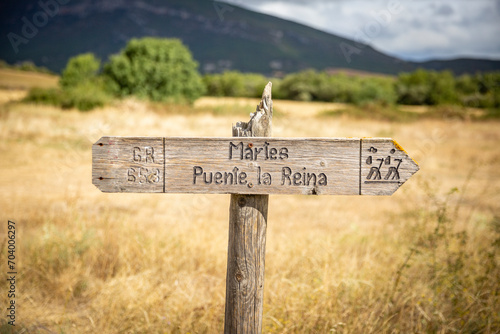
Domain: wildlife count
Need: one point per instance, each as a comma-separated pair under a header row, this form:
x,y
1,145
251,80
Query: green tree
x,y
423,87
300,86
467,90
466,85
442,88
80,69
311,85
80,86
154,68
234,83
413,88
374,90
231,83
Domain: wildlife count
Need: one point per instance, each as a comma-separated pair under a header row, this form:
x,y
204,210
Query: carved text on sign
x,y
335,166
237,177
145,154
251,152
141,172
143,175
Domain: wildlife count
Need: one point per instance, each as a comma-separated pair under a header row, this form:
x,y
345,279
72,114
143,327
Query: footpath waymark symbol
x,y
375,174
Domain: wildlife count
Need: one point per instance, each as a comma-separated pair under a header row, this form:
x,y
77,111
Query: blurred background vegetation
x,y
164,70
425,260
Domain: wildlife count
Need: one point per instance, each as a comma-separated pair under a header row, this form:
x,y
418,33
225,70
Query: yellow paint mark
x,y
399,147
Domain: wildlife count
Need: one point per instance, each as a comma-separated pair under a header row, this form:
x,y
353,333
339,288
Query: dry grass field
x,y
425,260
15,79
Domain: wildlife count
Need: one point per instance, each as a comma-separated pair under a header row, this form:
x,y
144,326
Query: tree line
x,y
164,70
420,87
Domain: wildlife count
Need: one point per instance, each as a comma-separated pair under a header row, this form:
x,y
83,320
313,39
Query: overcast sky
x,y
409,29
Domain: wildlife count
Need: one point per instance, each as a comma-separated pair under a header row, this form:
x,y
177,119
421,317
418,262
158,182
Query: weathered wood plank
x,y
309,166
247,240
246,263
315,160
129,164
385,166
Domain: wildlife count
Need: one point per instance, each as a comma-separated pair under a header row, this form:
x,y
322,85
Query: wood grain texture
x,y
257,165
128,164
385,166
246,263
247,240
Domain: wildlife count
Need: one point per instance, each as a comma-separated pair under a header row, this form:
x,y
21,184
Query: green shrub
x,y
466,85
442,88
80,69
299,86
234,83
413,88
50,96
85,96
311,85
374,91
154,68
80,87
225,84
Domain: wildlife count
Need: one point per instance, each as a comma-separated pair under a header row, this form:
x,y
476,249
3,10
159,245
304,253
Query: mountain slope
x,y
221,36
462,65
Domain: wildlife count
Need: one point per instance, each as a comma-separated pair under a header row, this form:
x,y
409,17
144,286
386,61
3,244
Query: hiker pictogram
x,y
394,171
375,173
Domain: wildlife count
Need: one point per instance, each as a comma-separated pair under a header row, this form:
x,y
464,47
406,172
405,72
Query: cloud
x,y
419,30
445,10
463,30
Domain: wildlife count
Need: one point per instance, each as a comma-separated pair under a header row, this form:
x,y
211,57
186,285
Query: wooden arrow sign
x,y
308,166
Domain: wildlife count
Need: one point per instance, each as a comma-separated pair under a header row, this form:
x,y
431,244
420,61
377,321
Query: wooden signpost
x,y
250,166
257,165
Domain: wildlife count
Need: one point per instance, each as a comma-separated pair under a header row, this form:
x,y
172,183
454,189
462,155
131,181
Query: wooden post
x,y
246,169
247,239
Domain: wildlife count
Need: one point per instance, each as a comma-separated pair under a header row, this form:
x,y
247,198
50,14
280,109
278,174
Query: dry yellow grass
x,y
423,260
283,107
15,79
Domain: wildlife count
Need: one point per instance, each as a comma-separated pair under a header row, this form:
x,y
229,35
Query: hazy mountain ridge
x,y
221,37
